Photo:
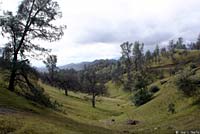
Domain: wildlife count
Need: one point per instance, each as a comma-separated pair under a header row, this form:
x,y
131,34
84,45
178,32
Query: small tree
x,y
93,87
186,83
51,65
198,43
157,54
171,108
33,20
138,56
148,56
171,50
142,97
127,58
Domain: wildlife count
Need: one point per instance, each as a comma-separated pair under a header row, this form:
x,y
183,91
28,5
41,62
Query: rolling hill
x,y
76,115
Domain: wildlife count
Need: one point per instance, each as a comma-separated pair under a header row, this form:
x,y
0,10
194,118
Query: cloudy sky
x,y
96,28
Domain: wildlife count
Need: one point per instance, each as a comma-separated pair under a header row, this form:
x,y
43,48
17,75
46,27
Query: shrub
x,y
193,66
171,108
186,83
154,89
140,81
142,97
37,94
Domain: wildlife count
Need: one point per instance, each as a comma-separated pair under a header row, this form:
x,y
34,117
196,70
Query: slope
x,y
20,116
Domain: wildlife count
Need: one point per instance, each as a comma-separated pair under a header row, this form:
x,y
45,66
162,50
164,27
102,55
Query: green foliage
x,y
140,81
142,97
36,93
33,20
154,89
51,65
187,83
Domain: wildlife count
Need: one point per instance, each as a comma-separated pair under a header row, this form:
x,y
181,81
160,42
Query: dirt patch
x,y
132,122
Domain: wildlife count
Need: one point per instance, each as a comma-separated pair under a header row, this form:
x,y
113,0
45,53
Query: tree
x,y
148,56
142,97
33,20
171,108
67,80
117,72
157,54
163,52
187,83
171,49
140,80
126,56
138,56
93,87
51,65
198,43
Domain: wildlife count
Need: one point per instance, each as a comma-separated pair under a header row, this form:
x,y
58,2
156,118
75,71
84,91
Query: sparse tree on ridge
x,y
33,20
171,49
138,56
163,52
157,54
148,56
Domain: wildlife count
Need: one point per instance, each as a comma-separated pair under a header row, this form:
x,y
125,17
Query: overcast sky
x,y
96,28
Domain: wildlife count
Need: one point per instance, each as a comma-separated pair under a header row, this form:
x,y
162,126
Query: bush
x,y
193,66
171,108
36,93
186,83
142,97
154,89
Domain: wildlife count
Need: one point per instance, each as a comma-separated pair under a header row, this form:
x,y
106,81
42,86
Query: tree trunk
x,y
12,80
11,86
66,92
93,100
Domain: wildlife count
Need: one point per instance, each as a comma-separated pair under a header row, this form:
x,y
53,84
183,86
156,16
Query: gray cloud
x,y
96,28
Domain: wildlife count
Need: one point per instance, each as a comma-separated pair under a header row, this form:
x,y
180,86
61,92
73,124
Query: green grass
x,y
76,116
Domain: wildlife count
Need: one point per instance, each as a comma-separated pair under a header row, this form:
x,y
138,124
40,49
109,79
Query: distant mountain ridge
x,y
75,66
79,66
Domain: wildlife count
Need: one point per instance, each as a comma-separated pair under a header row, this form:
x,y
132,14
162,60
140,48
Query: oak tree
x,y
33,20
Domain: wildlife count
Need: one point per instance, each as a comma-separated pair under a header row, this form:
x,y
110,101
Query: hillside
x,y
145,77
75,115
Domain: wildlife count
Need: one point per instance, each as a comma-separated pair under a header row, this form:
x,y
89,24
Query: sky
x,y
96,28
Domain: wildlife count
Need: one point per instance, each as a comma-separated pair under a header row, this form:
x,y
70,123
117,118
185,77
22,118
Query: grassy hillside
x,y
76,115
180,56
